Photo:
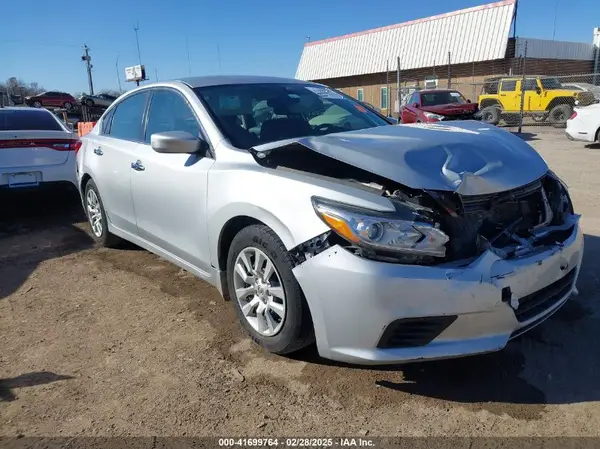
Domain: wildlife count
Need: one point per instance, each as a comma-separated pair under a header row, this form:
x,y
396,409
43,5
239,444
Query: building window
x,y
360,95
431,82
384,98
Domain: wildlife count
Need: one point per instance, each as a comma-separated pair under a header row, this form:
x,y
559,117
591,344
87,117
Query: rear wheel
x,y
265,293
68,105
560,114
97,217
89,102
491,115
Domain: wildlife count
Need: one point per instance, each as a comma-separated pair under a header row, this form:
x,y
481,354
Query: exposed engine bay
x,y
510,223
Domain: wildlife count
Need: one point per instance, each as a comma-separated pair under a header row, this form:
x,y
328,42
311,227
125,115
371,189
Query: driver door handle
x,y
138,166
98,151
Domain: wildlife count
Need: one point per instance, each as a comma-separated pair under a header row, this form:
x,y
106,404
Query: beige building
x,y
458,49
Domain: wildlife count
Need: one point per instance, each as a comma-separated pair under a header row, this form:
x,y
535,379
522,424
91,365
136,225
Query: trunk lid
x,y
34,148
469,157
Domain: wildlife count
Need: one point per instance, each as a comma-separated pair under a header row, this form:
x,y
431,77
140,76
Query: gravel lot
x,y
119,342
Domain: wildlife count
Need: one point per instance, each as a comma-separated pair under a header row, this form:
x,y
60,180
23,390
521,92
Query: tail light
x,y
573,116
53,144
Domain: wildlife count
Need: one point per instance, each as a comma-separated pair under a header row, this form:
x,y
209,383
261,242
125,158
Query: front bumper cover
x,y
352,300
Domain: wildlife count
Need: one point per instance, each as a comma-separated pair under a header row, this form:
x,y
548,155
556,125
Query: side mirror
x,y
176,142
394,120
468,100
70,126
415,105
538,90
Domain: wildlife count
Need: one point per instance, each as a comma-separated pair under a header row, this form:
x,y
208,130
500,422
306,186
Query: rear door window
x,y
27,120
127,120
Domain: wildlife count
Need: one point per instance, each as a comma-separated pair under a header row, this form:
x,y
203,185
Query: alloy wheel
x,y
259,291
94,212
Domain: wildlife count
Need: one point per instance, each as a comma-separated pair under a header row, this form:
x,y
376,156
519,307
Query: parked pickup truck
x,y
544,98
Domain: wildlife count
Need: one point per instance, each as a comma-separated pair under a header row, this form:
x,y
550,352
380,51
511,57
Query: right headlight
x,y
400,232
433,116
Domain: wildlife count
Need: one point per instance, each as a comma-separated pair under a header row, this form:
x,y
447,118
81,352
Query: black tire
x,y
491,115
37,104
106,239
89,102
68,105
560,114
297,331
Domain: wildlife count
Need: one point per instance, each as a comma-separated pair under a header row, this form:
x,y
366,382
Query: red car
x,y
51,99
430,106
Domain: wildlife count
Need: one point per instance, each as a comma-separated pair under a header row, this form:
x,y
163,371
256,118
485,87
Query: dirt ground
x,y
100,342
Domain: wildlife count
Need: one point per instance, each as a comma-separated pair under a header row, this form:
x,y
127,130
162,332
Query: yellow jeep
x,y
544,98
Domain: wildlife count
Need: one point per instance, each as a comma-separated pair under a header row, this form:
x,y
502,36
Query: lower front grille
x,y
413,332
458,117
540,301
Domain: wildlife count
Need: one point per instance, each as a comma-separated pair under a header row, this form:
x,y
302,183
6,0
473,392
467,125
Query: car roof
x,y
221,80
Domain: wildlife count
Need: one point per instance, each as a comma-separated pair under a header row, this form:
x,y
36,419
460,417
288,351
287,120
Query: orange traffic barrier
x,y
84,127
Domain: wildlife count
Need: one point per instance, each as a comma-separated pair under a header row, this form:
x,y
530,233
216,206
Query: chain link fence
x,y
512,92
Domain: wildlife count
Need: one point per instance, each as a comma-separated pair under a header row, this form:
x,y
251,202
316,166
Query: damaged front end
x,y
430,227
510,224
433,227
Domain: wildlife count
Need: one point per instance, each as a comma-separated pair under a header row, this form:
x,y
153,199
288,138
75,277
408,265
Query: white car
x,y
584,124
595,90
35,149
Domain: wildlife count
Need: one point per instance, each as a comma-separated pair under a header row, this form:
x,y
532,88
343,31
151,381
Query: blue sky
x,y
43,41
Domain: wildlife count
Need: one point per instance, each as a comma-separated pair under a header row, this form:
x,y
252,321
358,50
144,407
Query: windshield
x,y
254,114
551,83
442,97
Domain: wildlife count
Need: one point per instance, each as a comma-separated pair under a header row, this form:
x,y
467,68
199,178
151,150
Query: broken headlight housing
x,y
392,234
431,115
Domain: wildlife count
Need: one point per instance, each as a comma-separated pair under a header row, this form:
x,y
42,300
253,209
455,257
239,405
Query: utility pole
x,y
136,28
187,47
449,72
524,58
398,93
118,75
88,61
554,25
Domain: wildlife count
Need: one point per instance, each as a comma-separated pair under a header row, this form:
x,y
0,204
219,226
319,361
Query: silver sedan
x,y
381,243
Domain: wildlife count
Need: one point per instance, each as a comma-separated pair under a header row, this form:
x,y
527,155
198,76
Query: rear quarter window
x,y
27,120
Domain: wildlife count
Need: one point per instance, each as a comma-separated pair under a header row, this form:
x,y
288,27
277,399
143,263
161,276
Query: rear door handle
x,y
138,166
98,151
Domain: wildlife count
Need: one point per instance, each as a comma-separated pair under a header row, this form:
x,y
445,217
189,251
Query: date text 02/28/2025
x,y
296,442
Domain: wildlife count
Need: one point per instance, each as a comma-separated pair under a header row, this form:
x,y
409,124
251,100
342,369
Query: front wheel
x,y
265,293
94,210
89,102
37,104
68,105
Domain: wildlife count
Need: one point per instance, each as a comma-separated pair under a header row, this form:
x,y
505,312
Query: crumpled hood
x,y
451,109
466,157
